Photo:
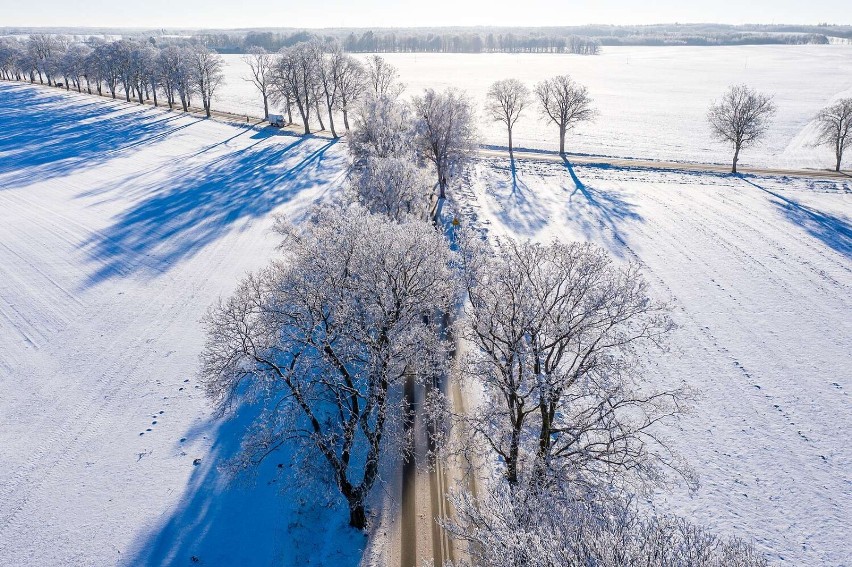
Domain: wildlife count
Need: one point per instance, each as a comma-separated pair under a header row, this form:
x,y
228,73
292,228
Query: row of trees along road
x,y
740,118
319,79
324,338
140,69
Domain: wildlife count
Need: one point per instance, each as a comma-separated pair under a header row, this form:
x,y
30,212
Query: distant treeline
x,y
573,39
402,41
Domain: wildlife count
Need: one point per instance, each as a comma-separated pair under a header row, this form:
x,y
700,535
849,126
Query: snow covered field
x,y
652,100
119,225
759,271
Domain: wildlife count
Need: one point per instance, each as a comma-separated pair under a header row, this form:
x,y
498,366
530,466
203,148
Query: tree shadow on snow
x,y
602,215
521,213
226,520
203,202
42,136
832,230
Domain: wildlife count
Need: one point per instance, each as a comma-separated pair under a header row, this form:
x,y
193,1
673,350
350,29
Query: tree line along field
x,y
627,86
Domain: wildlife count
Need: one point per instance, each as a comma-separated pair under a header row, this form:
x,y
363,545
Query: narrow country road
x,y
628,163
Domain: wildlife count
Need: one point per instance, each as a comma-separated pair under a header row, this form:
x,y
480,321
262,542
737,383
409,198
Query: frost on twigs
x,y
322,339
544,528
557,332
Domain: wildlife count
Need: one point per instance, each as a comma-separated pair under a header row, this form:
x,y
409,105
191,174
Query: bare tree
x,y
169,65
150,70
445,133
506,100
207,73
383,128
121,53
835,128
351,85
329,68
108,66
741,118
383,77
42,48
324,338
394,187
295,78
527,527
556,330
565,102
261,64
73,64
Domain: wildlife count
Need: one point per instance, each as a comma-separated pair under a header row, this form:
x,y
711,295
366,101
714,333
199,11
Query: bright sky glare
x,y
392,13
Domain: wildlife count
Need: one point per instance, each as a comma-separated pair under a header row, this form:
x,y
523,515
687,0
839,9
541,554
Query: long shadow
x,y
203,202
832,230
46,135
258,520
605,215
520,212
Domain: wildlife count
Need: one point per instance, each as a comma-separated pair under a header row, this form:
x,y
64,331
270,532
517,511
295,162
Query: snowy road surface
x,y
759,271
119,226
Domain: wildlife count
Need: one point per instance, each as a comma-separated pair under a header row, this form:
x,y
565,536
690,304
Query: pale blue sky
x,y
376,13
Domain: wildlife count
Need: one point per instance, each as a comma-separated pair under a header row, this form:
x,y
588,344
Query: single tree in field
x,y
741,118
445,132
324,339
506,100
260,63
835,128
564,102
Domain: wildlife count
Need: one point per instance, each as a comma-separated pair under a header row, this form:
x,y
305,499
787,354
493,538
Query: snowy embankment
x,y
759,272
119,226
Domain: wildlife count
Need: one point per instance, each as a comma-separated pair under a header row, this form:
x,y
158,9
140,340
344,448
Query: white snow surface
x,y
119,226
759,274
652,101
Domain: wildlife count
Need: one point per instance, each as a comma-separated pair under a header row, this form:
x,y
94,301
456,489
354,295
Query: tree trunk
x,y
289,113
839,158
331,122
736,158
345,120
562,140
306,119
511,152
265,107
357,516
319,115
